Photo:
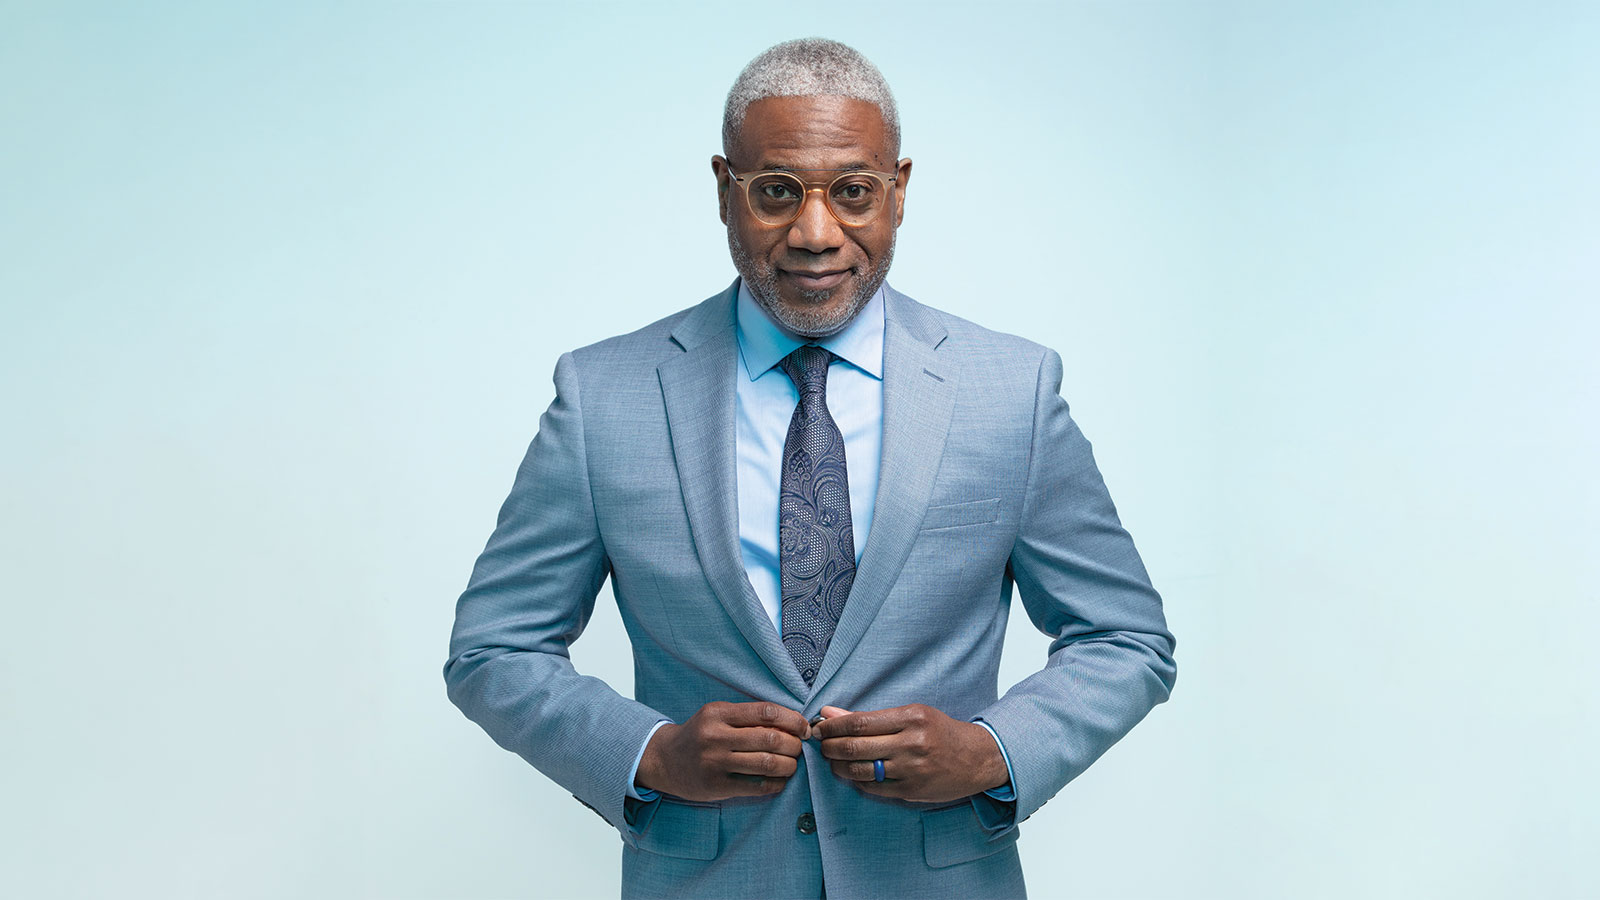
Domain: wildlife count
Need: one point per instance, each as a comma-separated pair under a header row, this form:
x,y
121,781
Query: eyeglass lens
x,y
855,197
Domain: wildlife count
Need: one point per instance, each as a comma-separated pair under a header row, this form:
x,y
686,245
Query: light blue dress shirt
x,y
764,402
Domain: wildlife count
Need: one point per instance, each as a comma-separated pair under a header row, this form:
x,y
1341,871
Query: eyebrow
x,y
779,167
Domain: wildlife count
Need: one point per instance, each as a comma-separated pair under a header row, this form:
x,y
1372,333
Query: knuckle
x,y
768,712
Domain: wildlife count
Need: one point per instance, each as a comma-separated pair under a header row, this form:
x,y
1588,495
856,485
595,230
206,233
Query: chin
x,y
821,317
820,304
814,299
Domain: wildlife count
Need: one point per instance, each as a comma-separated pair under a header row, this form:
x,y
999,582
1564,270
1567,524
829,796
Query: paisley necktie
x,y
816,547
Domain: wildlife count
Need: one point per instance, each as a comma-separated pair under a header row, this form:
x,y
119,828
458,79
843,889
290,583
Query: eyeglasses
x,y
854,196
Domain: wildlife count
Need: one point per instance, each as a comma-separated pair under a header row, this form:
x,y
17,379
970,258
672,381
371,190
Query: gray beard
x,y
762,280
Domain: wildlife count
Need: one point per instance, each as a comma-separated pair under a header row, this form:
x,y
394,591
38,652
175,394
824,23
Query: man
x,y
813,496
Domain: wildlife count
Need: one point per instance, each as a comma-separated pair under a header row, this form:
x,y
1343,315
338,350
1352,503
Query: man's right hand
x,y
725,750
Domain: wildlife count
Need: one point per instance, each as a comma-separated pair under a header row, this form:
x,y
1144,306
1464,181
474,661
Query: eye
x,y
776,190
855,191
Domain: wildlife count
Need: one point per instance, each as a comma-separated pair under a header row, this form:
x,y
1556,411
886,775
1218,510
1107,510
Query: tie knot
x,y
807,367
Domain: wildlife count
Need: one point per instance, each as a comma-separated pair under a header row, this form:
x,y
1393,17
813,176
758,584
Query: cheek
x,y
750,241
766,243
876,244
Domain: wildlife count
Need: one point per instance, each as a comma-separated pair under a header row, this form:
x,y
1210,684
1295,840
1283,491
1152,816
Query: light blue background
x,y
283,286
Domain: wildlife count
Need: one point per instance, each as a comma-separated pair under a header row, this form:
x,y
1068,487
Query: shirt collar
x,y
763,343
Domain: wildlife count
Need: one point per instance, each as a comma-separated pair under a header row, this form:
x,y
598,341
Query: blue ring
x,y
877,770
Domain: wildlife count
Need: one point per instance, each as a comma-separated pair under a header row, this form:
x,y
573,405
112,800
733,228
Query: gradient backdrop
x,y
283,286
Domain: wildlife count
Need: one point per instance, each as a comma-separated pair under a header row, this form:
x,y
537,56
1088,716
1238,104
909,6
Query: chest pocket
x,y
960,515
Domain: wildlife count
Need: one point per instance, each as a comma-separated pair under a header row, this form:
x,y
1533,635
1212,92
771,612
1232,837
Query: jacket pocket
x,y
954,835
683,830
955,515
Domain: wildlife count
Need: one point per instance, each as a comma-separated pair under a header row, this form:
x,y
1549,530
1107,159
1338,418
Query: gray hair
x,y
809,67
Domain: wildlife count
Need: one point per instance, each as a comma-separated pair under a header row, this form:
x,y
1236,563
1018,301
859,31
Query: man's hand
x,y
725,750
927,756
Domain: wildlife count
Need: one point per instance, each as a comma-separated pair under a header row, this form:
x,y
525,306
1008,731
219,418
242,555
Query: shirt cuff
x,y
1005,793
645,794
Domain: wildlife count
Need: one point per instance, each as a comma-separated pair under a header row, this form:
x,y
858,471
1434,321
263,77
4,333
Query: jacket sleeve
x,y
530,596
1083,584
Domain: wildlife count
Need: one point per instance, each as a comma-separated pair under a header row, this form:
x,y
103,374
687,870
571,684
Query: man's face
x,y
814,274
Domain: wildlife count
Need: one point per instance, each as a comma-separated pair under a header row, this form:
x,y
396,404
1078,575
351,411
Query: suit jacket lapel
x,y
698,389
919,392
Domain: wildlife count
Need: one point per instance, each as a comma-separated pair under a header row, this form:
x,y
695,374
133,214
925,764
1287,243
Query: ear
x,y
902,172
719,168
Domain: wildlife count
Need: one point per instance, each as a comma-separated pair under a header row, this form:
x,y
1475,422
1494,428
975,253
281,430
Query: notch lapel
x,y
698,389
919,392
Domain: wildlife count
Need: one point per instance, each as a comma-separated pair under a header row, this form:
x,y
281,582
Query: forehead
x,y
813,133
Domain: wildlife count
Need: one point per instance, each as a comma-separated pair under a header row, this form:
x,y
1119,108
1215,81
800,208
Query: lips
x,y
816,281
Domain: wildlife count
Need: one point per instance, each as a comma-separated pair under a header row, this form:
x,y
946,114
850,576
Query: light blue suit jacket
x,y
986,482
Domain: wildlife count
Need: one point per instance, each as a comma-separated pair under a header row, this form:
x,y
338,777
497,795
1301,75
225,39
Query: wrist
x,y
653,768
991,770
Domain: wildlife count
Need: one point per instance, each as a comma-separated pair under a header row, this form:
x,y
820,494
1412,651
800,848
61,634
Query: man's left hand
x,y
927,756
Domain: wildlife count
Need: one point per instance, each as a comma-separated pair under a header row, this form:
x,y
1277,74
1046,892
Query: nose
x,y
816,229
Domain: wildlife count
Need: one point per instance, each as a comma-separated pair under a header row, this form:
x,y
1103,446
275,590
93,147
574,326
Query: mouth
x,y
816,281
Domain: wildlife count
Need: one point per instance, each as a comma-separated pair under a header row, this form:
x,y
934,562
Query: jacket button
x,y
807,823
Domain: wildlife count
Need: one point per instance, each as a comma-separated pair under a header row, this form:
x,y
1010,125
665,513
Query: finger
x,y
753,785
877,747
827,712
860,771
766,765
766,715
769,740
902,790
881,721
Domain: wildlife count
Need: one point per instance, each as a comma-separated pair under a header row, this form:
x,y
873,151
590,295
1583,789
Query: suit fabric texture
x,y
986,483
